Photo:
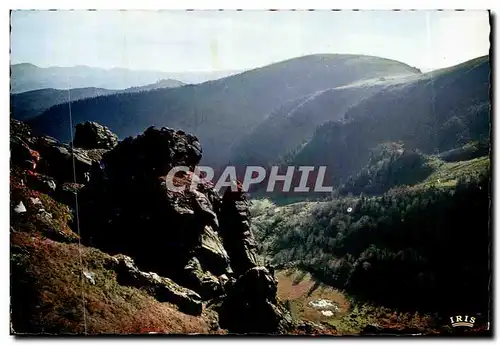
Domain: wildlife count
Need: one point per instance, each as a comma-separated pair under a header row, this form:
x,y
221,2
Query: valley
x,y
408,155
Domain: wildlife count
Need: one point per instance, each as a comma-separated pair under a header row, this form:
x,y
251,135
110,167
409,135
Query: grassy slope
x,y
446,173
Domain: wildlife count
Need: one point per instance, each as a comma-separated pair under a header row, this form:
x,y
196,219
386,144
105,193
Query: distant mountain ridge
x,y
223,111
27,105
28,77
436,112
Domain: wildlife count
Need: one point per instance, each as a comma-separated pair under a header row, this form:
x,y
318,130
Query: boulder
x,y
21,154
132,195
251,305
57,161
161,288
21,130
203,282
91,135
152,154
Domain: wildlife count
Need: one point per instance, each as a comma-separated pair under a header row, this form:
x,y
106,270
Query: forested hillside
x,y
221,112
293,124
420,248
27,105
439,112
291,111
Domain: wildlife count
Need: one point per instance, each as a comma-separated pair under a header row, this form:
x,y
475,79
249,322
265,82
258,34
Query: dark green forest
x,y
433,115
389,165
424,248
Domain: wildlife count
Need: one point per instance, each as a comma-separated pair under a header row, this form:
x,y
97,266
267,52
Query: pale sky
x,y
179,41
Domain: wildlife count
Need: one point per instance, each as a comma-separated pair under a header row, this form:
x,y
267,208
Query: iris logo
x,y
462,321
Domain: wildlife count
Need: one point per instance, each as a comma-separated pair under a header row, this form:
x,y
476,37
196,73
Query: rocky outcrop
x,y
42,183
208,285
251,305
91,135
64,163
21,154
199,245
163,289
129,209
235,231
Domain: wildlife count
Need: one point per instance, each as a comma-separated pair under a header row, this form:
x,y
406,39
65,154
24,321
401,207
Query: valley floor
x,y
322,304
330,308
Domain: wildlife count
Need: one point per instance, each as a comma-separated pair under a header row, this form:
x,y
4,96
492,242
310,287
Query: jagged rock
x,y
371,329
57,161
131,195
21,130
200,241
66,193
203,282
212,252
251,305
204,204
152,154
163,289
42,183
91,135
46,156
235,231
21,154
307,327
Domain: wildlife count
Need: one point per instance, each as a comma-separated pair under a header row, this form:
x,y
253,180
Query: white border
x,y
256,4
213,4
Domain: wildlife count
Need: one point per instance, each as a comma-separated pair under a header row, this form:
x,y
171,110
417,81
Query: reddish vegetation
x,y
33,221
48,283
300,289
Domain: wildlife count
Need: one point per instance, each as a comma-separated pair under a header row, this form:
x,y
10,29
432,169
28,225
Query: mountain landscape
x,y
401,244
221,112
434,113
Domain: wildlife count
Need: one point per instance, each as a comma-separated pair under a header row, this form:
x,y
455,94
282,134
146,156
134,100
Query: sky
x,y
180,41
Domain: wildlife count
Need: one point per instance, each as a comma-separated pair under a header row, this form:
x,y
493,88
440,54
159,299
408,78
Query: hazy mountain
x,y
221,112
196,77
26,105
28,77
161,84
435,112
293,123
